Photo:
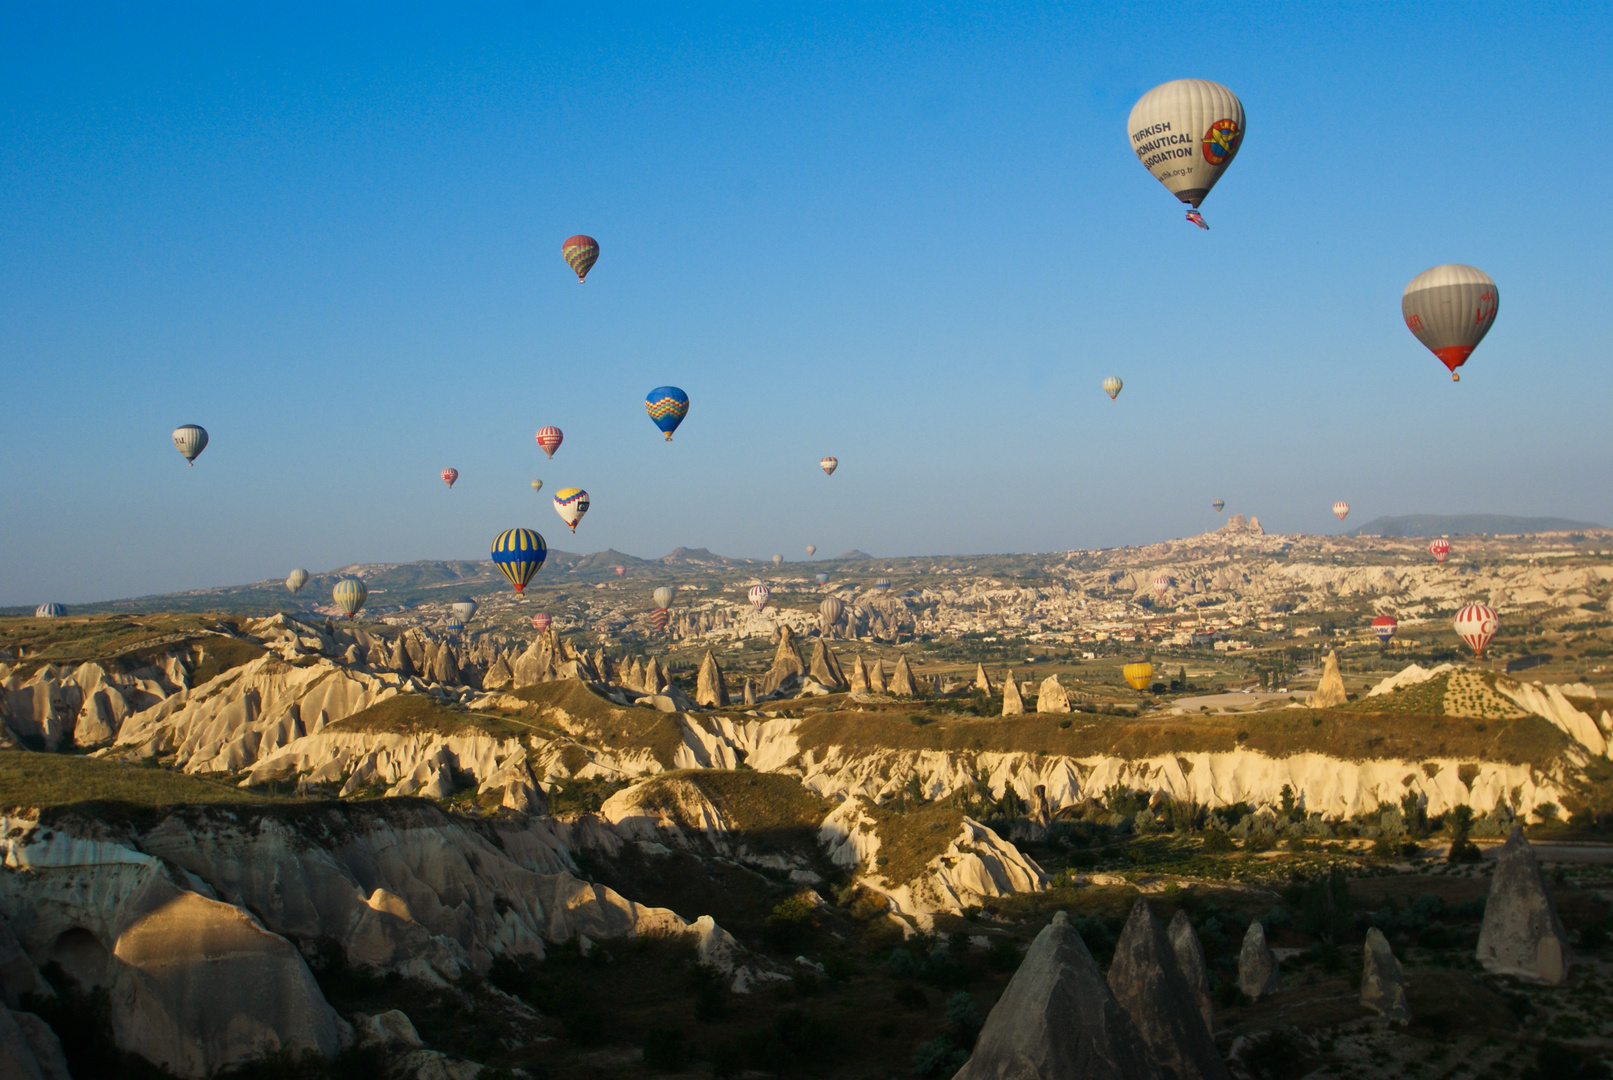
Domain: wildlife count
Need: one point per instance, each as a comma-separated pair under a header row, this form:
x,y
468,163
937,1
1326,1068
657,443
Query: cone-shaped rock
x,y
1383,986
655,677
1013,704
823,669
859,676
533,665
1330,691
1149,984
750,691
982,680
1522,934
876,676
1051,698
787,666
710,689
444,667
1190,958
1257,966
498,675
1058,1020
902,680
635,677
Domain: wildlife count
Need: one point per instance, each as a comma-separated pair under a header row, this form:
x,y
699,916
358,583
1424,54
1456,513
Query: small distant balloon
x,y
537,485
1162,585
297,579
659,619
541,621
667,406
759,595
1220,505
190,440
1139,676
662,597
823,577
1385,626
1440,549
620,570
829,465
883,584
1341,509
456,625
1112,386
49,611
449,476
465,609
580,253
829,612
778,560
350,594
1476,624
519,554
550,438
812,549
1450,308
571,504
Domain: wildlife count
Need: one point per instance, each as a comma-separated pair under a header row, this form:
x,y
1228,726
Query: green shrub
x,y
1217,842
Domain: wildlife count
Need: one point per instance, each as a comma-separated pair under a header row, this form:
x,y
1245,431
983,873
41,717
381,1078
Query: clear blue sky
x,y
910,236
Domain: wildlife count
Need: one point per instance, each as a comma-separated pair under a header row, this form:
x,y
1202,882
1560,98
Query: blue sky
x,y
910,236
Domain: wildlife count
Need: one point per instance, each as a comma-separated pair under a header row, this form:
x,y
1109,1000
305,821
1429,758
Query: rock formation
x,y
982,680
1038,820
29,1049
1522,935
1257,966
399,660
902,680
1190,958
1148,983
787,668
1057,1018
1013,704
859,676
750,691
498,675
1051,697
710,689
876,676
825,667
1383,988
1330,691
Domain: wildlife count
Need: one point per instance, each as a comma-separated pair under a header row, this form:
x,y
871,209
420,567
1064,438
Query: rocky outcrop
x,y
876,676
1051,697
1330,691
1037,823
787,669
1258,974
1383,985
859,676
902,681
710,688
1190,959
982,680
1013,704
825,668
1057,1018
29,1049
1148,983
1522,935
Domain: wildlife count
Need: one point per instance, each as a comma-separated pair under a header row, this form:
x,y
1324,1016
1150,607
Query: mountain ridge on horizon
x,y
1415,525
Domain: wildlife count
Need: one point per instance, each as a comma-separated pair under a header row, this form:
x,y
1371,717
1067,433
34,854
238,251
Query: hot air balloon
x,y
1220,505
1138,675
1476,624
1162,585
829,465
823,577
1341,509
662,596
190,440
621,571
659,619
49,611
1186,133
550,438
455,624
537,486
759,595
1440,549
349,594
449,476
1385,626
541,621
1112,386
297,579
829,613
1450,308
667,406
465,609
883,584
812,549
778,560
519,553
571,504
580,253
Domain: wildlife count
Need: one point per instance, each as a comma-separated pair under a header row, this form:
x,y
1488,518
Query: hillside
x,y
1411,525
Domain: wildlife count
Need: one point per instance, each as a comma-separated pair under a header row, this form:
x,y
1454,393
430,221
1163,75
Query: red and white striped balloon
x,y
1476,624
829,465
550,439
541,622
759,595
1341,509
1161,584
1439,549
449,476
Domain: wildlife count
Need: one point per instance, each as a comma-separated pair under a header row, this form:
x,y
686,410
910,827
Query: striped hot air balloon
x,y
829,465
49,611
1162,585
465,609
550,438
571,504
823,577
1186,132
1138,675
659,619
1112,386
1341,509
297,579
883,584
759,595
1476,624
455,624
519,553
190,440
1385,626
1450,308
449,476
349,594
541,621
1440,549
580,253
667,406
829,613
1220,505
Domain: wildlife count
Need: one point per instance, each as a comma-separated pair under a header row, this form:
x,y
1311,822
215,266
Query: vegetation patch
x,y
421,714
43,781
910,838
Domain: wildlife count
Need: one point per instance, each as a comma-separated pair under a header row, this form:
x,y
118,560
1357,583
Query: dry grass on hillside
x,y
756,801
909,840
413,714
125,641
42,781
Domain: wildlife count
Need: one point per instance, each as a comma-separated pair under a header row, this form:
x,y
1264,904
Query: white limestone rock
x,y
1330,691
1522,935
1383,984
1258,973
1052,697
1013,704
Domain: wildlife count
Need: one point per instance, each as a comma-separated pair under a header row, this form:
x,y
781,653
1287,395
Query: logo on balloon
x,y
1221,141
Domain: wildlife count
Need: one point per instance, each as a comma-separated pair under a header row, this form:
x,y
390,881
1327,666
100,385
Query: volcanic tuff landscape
x,y
245,837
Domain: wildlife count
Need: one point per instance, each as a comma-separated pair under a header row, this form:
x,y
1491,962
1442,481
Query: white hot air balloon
x,y
297,579
829,465
812,549
663,597
1341,509
1450,308
190,440
759,595
778,560
465,609
1186,133
1112,386
1162,585
1476,624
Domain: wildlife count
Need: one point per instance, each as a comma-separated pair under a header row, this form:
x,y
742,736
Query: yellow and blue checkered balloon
x,y
667,406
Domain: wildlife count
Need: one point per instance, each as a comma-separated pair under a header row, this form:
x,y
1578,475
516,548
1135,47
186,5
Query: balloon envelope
x,y
1112,386
1476,624
550,438
519,553
667,406
49,611
1385,626
778,560
537,485
1186,133
1341,510
1450,308
1138,675
449,476
1440,549
658,618
580,253
190,440
829,612
812,549
823,577
883,584
349,594
662,597
1220,505
571,504
829,465
1161,584
296,579
759,595
465,609
541,621
620,570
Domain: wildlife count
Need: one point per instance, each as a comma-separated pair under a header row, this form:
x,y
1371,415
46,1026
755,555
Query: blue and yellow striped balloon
x,y
350,594
520,554
667,406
